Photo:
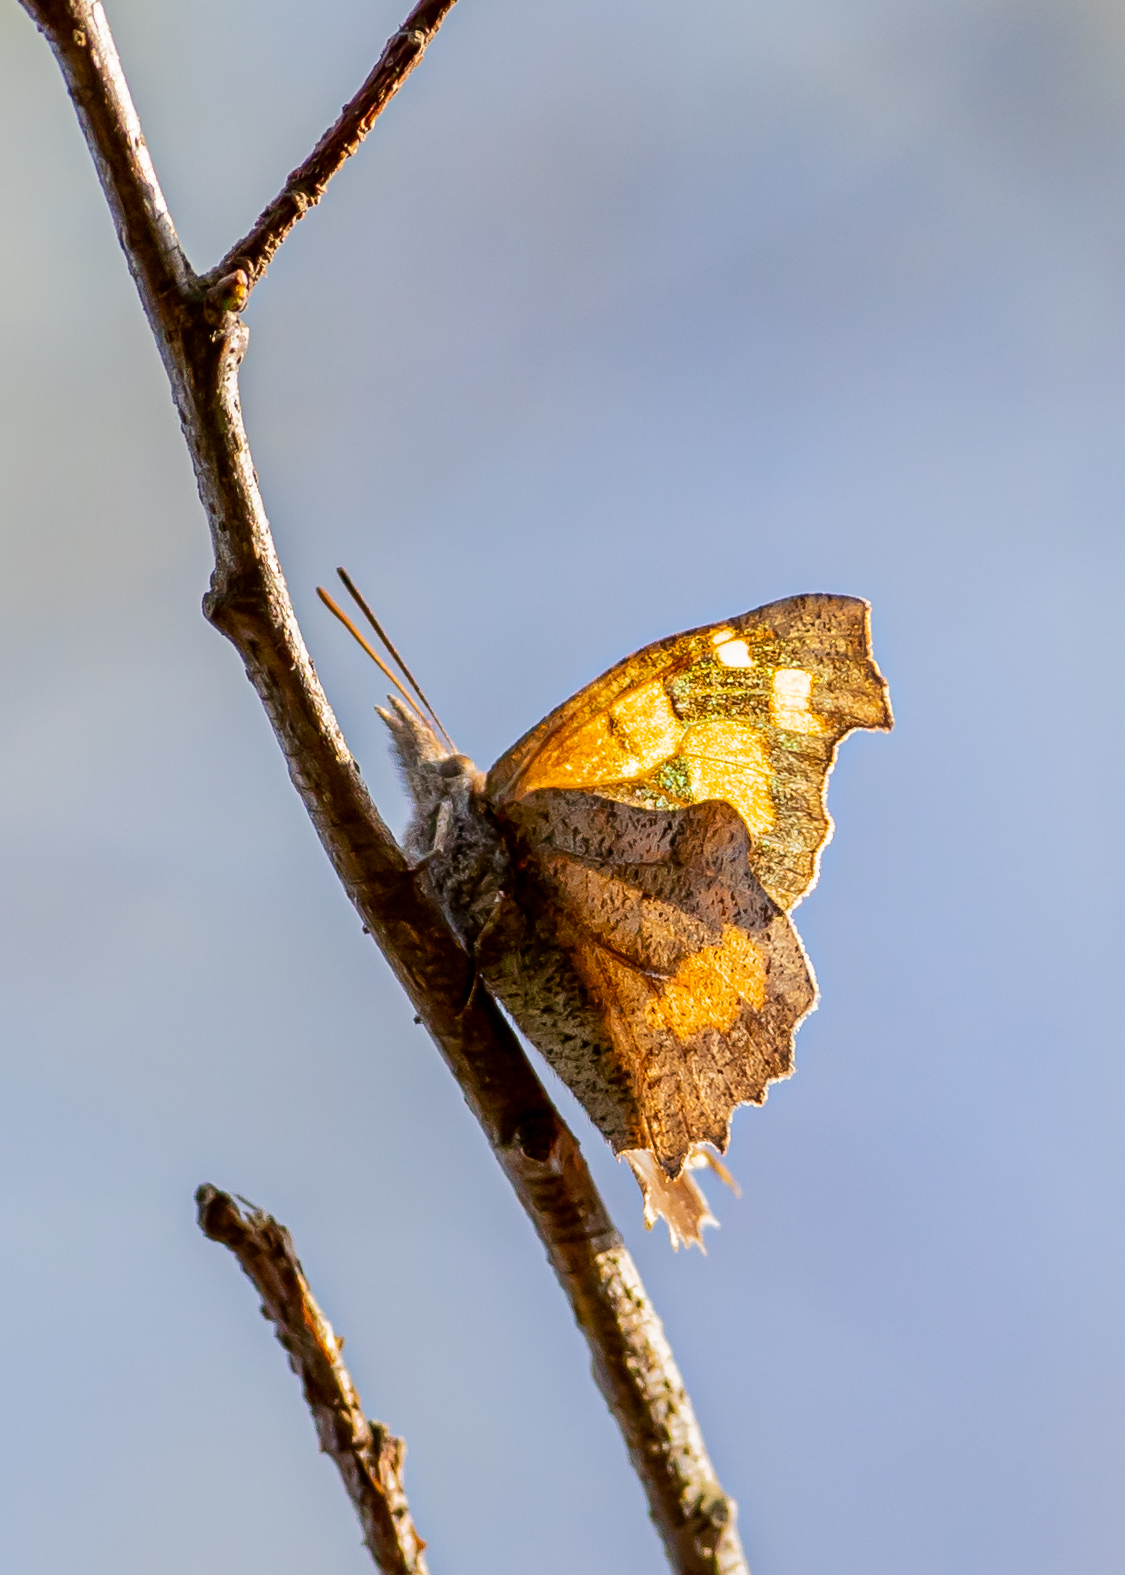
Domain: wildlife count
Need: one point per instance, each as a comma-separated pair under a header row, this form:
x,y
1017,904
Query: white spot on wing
x,y
789,703
735,653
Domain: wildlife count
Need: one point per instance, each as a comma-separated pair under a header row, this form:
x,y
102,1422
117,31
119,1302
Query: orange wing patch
x,y
638,731
727,759
710,988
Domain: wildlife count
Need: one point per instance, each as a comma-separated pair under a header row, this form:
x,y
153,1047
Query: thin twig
x,y
368,1458
308,182
202,344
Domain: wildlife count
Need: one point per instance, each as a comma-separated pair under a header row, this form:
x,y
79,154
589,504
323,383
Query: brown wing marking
x,y
749,712
698,977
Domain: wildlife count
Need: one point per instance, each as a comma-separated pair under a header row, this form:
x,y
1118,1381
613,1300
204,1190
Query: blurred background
x,y
627,318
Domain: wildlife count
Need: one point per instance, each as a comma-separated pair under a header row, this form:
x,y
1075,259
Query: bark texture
x,y
309,181
202,342
368,1457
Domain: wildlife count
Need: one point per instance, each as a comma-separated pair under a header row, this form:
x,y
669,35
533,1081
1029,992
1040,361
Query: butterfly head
x,y
441,782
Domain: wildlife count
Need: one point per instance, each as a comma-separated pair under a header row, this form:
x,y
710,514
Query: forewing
x,y
697,976
749,712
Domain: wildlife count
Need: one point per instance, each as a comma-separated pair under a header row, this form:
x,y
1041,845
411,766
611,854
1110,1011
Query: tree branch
x,y
202,343
308,182
368,1458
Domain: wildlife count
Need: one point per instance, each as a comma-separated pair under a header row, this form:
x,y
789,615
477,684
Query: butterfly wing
x,y
693,977
748,712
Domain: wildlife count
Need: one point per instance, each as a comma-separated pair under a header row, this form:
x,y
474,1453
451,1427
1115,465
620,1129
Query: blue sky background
x,y
627,318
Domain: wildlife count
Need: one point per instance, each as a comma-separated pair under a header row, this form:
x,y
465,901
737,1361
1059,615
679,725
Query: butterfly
x,y
623,876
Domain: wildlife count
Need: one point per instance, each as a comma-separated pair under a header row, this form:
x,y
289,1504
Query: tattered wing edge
x,y
681,1204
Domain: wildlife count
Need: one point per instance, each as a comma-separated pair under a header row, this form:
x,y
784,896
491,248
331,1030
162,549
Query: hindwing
x,y
693,974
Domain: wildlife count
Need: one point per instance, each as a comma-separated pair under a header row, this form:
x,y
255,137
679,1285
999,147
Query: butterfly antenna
x,y
338,612
350,587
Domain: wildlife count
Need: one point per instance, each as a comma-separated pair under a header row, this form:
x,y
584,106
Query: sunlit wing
x,y
749,712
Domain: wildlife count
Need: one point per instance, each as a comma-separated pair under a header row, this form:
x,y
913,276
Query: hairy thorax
x,y
452,837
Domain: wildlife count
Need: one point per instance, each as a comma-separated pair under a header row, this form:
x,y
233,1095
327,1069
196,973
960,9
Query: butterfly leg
x,y
485,930
443,825
443,820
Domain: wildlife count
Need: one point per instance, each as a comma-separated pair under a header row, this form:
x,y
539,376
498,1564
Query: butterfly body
x,y
622,876
478,872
